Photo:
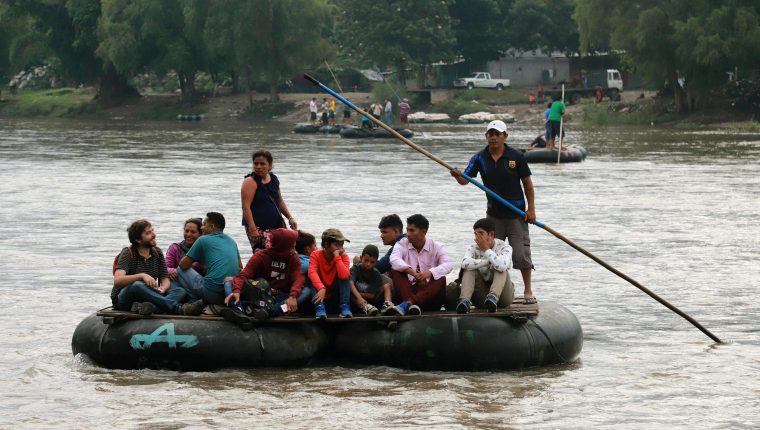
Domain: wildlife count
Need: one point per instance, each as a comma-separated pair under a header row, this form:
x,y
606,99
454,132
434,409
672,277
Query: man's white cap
x,y
497,125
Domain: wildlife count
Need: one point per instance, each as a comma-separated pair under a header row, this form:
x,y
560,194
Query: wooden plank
x,y
516,311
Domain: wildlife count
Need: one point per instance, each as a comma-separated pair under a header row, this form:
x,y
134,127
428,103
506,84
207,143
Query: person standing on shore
x,y
505,171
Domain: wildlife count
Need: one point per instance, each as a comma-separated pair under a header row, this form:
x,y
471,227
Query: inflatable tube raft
x,y
523,335
194,343
570,154
363,133
466,343
306,128
315,128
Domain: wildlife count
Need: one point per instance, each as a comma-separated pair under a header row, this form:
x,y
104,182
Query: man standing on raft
x,y
505,171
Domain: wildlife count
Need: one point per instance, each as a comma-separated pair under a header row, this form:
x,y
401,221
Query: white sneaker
x,y
387,306
370,310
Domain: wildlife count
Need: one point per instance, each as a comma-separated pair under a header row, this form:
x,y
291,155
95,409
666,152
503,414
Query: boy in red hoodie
x,y
329,274
278,266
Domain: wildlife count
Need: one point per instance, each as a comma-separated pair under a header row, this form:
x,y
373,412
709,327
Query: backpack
x,y
153,251
256,295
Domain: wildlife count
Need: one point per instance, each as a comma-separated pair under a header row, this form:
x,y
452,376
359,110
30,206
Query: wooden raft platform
x,y
518,311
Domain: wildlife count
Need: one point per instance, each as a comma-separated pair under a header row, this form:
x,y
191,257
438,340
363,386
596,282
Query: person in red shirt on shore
x,y
280,268
329,274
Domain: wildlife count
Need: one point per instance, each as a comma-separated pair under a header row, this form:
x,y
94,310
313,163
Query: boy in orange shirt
x,y
329,274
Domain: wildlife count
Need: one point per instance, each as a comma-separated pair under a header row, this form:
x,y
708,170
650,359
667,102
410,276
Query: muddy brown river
x,y
676,209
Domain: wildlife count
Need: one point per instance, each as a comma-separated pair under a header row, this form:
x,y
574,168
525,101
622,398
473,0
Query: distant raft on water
x,y
306,128
190,117
569,154
364,133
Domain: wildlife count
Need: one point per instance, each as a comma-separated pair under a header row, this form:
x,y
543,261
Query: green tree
x,y
267,41
225,24
699,40
290,36
481,28
398,33
542,24
62,32
159,36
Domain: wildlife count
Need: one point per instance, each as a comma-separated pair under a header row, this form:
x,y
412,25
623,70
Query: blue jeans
x,y
388,118
303,301
193,284
342,297
139,291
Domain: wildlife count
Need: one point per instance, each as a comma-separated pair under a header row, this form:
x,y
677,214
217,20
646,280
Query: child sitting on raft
x,y
329,273
370,289
279,267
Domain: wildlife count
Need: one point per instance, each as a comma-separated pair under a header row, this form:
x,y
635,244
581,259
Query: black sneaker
x,y
463,306
144,308
195,308
490,303
233,315
260,314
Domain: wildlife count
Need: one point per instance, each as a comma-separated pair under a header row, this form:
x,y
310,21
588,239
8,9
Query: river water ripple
x,y
675,209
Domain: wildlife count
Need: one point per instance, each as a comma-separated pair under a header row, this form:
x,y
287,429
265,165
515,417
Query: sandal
x,y
530,300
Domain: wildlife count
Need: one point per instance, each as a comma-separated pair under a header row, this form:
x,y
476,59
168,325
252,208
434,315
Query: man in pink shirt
x,y
419,270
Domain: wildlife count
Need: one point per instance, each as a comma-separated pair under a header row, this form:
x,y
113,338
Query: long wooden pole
x,y
517,210
334,78
561,119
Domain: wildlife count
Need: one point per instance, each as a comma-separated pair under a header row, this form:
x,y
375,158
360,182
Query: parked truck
x,y
607,82
481,80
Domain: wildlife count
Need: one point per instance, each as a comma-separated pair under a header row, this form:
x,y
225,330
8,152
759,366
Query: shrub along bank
x,y
60,102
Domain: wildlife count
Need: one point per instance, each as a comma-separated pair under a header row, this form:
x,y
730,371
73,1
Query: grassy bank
x,y
640,113
658,112
480,100
60,102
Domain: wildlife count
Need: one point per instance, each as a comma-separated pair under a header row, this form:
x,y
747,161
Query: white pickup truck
x,y
481,80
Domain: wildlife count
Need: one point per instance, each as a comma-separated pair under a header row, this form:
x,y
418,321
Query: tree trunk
x,y
249,87
114,88
274,97
421,76
235,82
187,86
401,70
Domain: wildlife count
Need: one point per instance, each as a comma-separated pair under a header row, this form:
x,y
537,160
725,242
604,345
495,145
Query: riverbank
x,y
635,108
292,107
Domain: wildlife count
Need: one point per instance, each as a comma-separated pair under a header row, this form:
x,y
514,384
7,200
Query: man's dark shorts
x,y
515,230
553,129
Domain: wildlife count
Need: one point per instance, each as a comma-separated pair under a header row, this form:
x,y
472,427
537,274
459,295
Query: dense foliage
x,y
690,42
265,43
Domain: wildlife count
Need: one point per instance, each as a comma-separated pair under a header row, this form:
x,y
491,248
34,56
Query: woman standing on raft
x,y
263,205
